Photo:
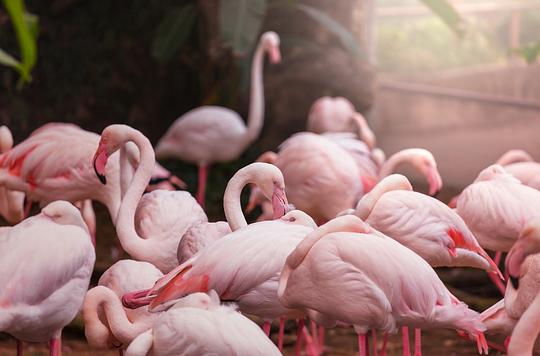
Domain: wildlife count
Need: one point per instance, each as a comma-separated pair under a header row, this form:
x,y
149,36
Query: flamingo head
x,y
270,41
527,244
425,163
110,141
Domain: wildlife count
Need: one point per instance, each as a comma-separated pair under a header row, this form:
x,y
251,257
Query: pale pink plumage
x,y
496,207
11,202
346,272
216,134
198,325
106,323
46,263
199,236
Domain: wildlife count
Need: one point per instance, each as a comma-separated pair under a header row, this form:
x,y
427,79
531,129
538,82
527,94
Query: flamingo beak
x,y
275,55
279,203
435,182
513,262
100,161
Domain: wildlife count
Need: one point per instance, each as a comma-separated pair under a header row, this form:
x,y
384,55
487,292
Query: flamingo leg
x,y
201,189
497,258
405,341
55,346
310,347
299,337
19,348
281,333
120,352
266,328
374,336
315,333
417,342
362,349
385,342
321,338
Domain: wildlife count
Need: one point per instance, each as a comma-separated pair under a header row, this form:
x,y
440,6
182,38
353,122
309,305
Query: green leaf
x,y
25,38
7,60
529,52
32,22
446,12
173,32
345,37
241,22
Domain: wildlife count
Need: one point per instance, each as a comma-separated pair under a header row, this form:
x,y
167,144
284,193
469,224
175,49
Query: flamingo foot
x,y
281,333
405,340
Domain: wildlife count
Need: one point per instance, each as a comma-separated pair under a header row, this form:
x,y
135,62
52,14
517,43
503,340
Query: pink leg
x,y
281,333
310,344
385,342
362,344
266,328
417,342
299,337
374,336
201,189
120,352
406,348
497,258
315,334
19,348
55,346
321,337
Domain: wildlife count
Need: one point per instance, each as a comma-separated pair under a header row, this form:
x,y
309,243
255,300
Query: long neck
x,y
395,160
514,156
526,331
256,101
390,183
231,200
118,323
132,243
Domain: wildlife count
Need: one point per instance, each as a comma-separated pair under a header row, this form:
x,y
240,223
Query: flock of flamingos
x,y
341,242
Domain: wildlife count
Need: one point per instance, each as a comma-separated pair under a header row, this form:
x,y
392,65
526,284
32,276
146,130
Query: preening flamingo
x,y
106,323
422,223
216,134
199,325
149,229
46,263
345,271
11,202
199,236
337,114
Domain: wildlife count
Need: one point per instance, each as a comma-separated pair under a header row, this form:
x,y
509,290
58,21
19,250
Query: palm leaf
x,y
446,12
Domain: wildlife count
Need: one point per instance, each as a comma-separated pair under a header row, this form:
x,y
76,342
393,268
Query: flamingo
x,y
346,272
46,263
337,114
148,227
216,134
250,279
197,325
11,202
422,223
106,323
198,237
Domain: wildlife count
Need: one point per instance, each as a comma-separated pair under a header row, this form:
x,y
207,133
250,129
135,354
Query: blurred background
x,y
459,78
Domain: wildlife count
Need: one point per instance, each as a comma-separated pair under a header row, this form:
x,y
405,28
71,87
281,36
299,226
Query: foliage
x,y
26,30
173,32
529,51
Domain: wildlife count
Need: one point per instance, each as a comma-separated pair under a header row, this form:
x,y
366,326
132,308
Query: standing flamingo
x,y
216,134
106,323
344,271
199,325
422,223
337,114
149,229
11,202
46,263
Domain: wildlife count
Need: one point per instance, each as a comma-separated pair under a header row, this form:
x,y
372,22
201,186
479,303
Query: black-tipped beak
x,y
434,195
101,177
514,281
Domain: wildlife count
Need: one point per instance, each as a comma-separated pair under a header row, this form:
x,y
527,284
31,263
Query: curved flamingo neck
x,y
390,183
136,246
256,100
526,331
118,323
395,160
514,156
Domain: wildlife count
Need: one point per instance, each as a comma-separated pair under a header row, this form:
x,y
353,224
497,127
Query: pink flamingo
x,y
422,223
106,323
346,272
251,278
148,227
46,263
337,114
216,134
198,237
11,202
197,325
